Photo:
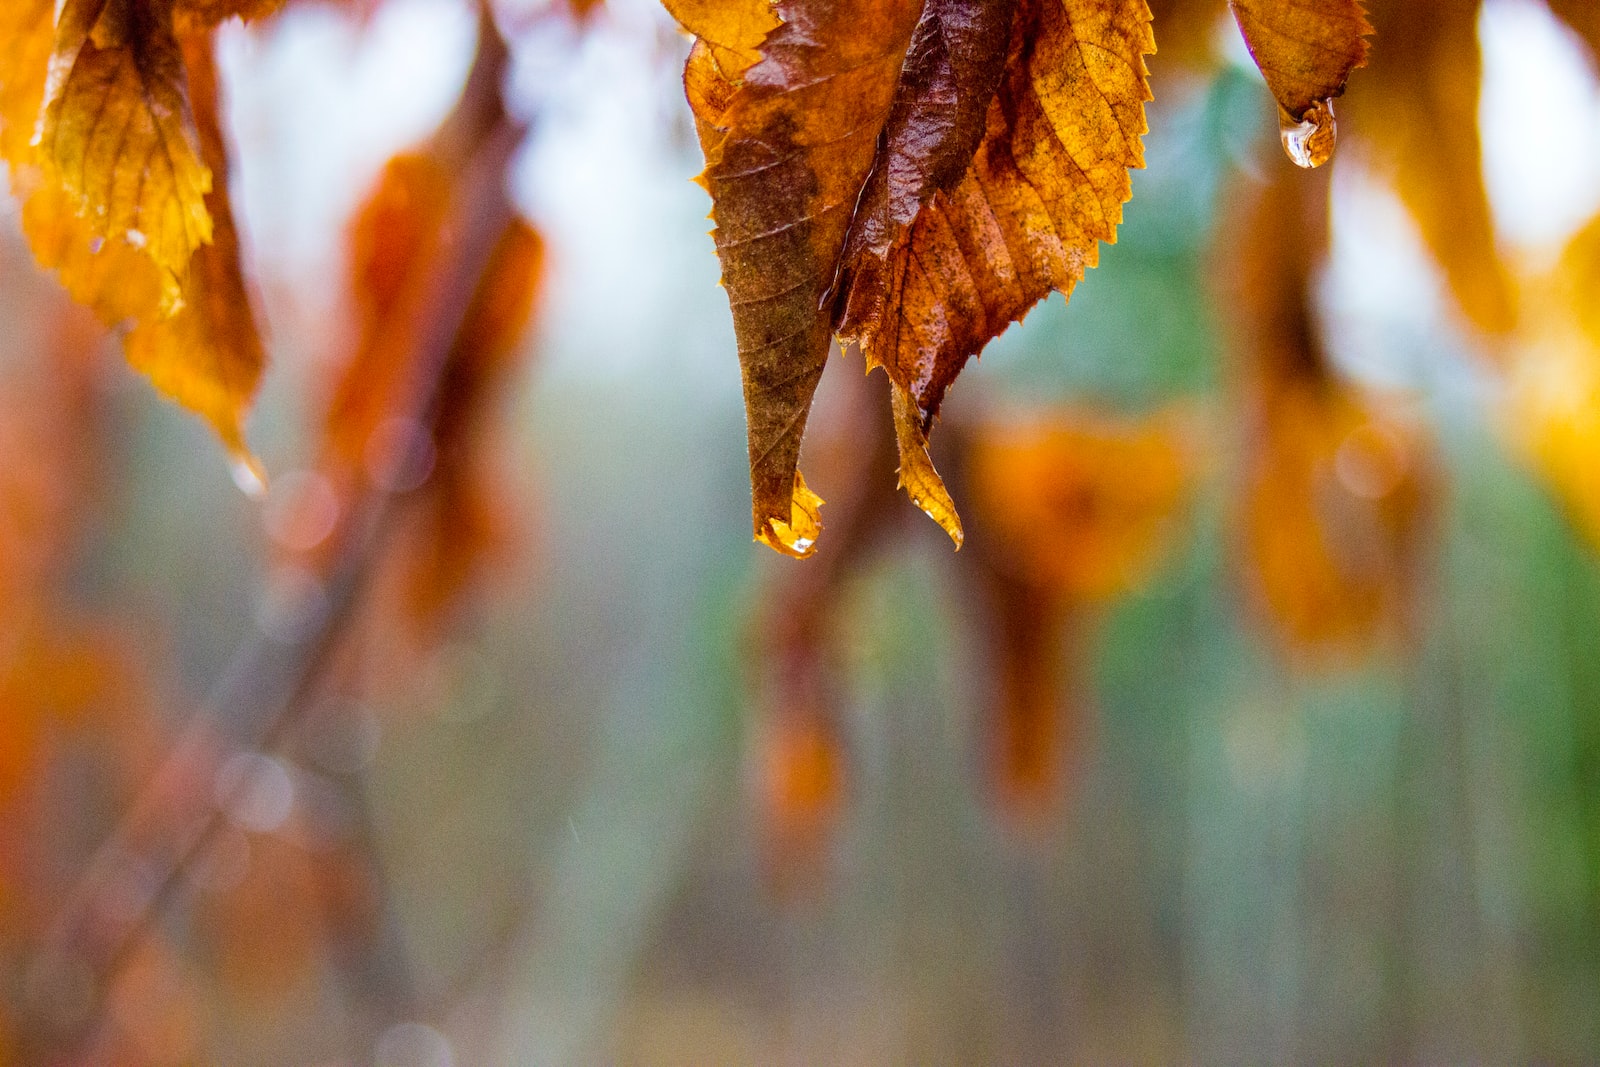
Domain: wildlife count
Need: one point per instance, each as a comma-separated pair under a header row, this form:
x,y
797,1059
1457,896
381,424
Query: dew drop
x,y
95,245
136,238
248,476
1309,141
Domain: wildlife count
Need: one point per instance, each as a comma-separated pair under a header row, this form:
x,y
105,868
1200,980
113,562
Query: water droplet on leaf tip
x,y
249,477
1309,140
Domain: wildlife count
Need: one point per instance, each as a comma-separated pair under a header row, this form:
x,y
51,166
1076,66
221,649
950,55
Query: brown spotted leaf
x,y
116,133
913,175
789,142
208,354
1306,50
1046,184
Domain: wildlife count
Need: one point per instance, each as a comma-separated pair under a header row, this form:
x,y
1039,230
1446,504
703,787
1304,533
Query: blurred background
x,y
1258,720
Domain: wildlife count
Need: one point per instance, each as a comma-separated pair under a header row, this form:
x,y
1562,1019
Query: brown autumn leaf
x,y
397,230
107,198
116,132
456,513
1415,108
789,140
207,355
461,520
1306,52
922,176
1076,507
1336,484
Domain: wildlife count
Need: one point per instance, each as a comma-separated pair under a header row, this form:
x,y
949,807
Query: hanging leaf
x,y
117,134
1306,52
1416,106
207,355
924,176
1076,508
1337,485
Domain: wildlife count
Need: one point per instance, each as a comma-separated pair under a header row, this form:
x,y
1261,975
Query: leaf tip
x,y
917,474
248,474
798,536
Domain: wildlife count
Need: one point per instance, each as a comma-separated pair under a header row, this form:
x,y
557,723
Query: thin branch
x,y
270,680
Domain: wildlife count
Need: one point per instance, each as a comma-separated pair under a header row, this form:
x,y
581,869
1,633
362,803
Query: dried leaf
x,y
1337,485
457,514
116,133
1045,186
1306,52
788,144
461,515
984,154
1034,721
1416,105
396,233
1075,508
1082,503
207,355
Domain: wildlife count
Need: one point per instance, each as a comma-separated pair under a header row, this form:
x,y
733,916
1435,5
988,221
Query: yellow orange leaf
x,y
788,144
207,355
1553,403
1082,503
116,133
1306,52
1416,106
1336,483
27,27
1045,186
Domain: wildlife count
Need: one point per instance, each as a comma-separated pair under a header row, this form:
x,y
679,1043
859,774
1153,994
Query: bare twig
x,y
271,677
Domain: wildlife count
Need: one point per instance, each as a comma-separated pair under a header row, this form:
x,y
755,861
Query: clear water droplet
x,y
1309,141
248,476
136,238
